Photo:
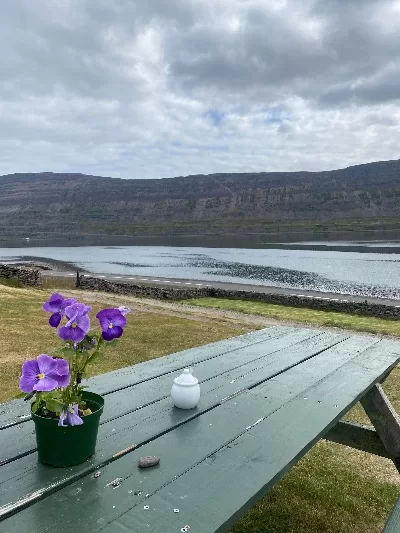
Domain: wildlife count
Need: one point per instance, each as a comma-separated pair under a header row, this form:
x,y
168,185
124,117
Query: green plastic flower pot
x,y
70,445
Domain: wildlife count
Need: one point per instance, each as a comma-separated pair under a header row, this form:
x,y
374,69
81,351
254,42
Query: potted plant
x,y
65,414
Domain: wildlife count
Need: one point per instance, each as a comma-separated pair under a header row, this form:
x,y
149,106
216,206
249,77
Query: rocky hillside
x,y
55,204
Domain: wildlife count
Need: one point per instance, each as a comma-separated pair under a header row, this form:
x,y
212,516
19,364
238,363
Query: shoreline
x,y
45,264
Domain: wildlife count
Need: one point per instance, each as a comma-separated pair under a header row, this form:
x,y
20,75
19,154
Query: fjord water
x,y
352,267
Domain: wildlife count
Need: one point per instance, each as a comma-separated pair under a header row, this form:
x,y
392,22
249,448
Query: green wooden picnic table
x,y
267,398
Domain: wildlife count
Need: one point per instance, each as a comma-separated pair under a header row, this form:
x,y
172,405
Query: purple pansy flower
x,y
112,322
43,374
78,323
70,416
57,305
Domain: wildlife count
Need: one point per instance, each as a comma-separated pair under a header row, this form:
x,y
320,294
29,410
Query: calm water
x,y
323,266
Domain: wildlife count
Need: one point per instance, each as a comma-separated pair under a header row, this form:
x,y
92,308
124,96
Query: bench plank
x,y
393,523
192,443
156,418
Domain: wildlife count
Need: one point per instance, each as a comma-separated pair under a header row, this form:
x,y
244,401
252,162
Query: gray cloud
x,y
127,88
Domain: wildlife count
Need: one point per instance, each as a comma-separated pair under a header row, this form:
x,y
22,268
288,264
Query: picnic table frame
x,y
267,398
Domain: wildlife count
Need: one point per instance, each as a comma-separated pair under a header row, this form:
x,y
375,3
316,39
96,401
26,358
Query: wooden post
x,y
385,420
78,279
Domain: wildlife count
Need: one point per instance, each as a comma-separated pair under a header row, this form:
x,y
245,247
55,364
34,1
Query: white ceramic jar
x,y
185,392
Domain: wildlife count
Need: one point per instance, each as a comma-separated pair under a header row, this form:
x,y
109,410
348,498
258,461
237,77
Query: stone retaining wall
x,y
27,276
167,293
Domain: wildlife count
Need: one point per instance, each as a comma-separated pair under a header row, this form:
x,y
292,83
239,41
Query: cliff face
x,y
57,203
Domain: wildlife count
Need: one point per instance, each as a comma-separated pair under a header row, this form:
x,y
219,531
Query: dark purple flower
x,y
78,323
57,305
70,416
41,374
112,322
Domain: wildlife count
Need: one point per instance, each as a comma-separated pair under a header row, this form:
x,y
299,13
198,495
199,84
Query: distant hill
x,y
57,204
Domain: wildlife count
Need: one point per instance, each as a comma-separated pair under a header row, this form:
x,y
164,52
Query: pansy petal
x,y
74,420
64,333
63,416
46,363
72,318
64,380
30,368
62,367
83,322
46,384
77,334
112,333
67,302
124,310
119,320
54,303
27,383
55,320
52,307
56,296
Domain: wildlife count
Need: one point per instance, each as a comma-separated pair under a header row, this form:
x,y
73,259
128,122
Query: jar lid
x,y
186,379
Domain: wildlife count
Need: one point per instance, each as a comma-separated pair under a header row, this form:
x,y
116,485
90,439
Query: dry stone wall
x,y
167,293
29,277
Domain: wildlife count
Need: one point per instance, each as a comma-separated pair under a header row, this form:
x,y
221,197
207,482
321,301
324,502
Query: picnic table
x,y
266,398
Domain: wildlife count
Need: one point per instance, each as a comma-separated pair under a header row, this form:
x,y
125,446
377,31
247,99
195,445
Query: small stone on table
x,y
149,460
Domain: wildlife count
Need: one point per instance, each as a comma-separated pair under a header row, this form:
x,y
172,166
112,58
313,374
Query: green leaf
x,y
94,357
68,352
113,343
54,405
34,407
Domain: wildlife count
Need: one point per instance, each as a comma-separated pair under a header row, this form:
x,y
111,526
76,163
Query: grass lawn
x,y
305,316
333,489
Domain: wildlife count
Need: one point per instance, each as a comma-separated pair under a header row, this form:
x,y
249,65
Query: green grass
x,y
326,492
11,282
52,282
333,489
302,315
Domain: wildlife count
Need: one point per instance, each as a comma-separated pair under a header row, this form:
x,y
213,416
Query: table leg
x,y
385,420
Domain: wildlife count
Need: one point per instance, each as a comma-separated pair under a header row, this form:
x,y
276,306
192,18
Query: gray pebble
x,y
149,460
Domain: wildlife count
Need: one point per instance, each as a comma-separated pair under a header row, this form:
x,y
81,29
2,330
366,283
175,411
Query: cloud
x,y
158,89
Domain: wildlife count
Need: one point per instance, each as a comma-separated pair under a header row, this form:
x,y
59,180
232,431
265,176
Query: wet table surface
x,y
266,398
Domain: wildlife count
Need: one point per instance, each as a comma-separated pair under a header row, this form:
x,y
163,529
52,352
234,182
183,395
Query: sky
x,y
156,88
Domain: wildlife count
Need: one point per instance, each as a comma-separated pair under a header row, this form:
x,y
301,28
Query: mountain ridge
x,y
53,203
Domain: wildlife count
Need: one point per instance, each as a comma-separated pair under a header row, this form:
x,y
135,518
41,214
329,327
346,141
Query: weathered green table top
x,y
266,398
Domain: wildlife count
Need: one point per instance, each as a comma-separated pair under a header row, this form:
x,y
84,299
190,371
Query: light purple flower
x,y
57,305
124,310
78,324
42,374
70,416
112,322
